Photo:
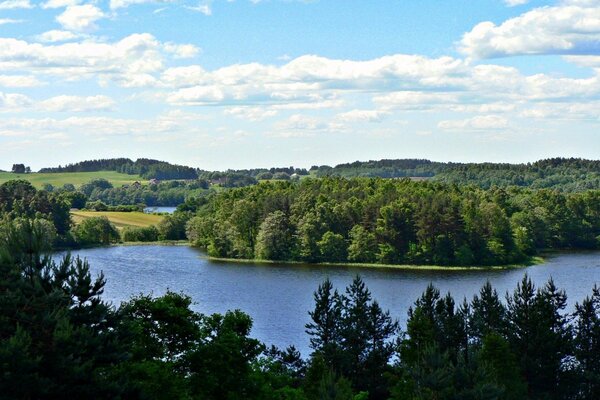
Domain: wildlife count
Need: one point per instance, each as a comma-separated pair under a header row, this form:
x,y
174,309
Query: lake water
x,y
278,297
168,210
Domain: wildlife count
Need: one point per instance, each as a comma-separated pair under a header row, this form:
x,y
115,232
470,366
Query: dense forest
x,y
393,222
146,168
60,339
565,174
568,174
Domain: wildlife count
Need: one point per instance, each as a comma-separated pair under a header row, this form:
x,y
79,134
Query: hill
x,y
76,178
145,167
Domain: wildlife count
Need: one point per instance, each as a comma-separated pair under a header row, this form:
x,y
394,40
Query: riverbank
x,y
532,261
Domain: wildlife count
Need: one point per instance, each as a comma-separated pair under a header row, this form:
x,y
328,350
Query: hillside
x,y
75,178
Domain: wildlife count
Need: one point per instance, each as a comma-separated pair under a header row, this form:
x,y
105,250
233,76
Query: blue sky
x,y
256,83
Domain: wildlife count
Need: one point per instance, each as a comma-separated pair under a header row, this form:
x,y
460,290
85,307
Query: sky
x,y
259,83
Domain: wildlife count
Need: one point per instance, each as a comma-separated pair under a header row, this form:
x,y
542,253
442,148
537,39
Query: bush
x,y
172,227
96,206
140,234
96,230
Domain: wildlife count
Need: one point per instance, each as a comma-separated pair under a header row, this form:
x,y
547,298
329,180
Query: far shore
x,y
532,261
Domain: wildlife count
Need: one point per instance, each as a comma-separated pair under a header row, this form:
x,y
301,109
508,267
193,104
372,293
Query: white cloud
x,y
80,18
115,4
362,116
182,50
11,101
5,21
19,81
60,3
513,3
127,62
251,113
56,36
15,4
77,104
203,7
572,28
478,123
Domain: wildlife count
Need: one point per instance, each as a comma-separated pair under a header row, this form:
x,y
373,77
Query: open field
x,y
75,178
120,219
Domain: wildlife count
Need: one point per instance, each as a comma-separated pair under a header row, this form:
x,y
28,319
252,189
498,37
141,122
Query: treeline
x,y
381,169
21,202
169,193
393,222
60,339
567,174
146,168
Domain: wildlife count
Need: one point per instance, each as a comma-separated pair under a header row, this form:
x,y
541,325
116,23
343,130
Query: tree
x,y
58,339
274,239
587,344
539,334
96,230
19,169
324,330
488,313
172,227
332,247
363,245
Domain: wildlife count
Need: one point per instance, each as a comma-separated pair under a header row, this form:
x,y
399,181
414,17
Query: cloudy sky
x,y
246,83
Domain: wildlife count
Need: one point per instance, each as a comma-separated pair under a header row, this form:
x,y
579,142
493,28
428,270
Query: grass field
x,y
75,178
120,219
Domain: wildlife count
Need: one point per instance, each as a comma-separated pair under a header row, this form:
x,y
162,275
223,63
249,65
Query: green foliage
x,y
363,245
57,337
139,234
274,239
147,168
173,227
332,247
393,222
96,230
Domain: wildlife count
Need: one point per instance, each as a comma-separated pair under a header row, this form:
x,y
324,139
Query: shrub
x,y
140,234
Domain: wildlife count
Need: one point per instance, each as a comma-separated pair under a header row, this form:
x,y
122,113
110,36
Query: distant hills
x,y
568,174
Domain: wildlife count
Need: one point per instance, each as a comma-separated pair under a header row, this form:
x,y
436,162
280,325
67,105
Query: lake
x,y
168,210
278,297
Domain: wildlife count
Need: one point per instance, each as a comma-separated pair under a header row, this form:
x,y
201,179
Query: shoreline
x,y
532,261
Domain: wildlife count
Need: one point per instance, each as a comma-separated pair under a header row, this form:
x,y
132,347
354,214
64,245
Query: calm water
x,y
169,210
278,297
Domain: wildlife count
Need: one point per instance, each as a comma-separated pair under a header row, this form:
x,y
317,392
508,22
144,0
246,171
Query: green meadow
x,y
76,178
119,219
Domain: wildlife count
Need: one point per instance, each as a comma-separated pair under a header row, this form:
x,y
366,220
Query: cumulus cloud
x,y
77,103
362,116
56,36
477,123
19,81
251,113
569,28
15,4
80,18
60,3
129,61
11,101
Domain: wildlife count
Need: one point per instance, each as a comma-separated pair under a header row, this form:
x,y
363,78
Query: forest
x,y
60,339
393,222
565,174
146,168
